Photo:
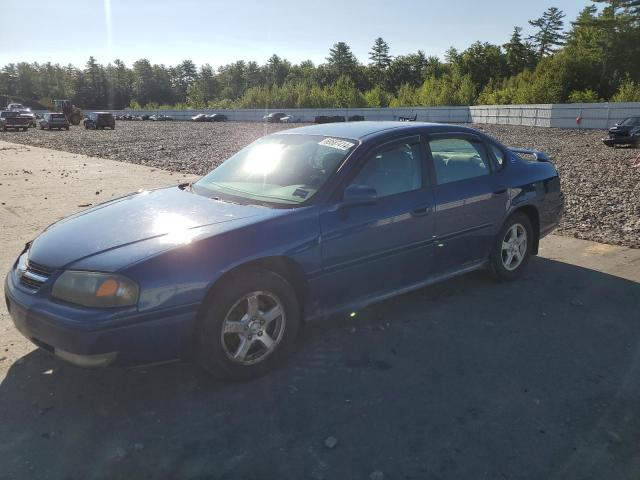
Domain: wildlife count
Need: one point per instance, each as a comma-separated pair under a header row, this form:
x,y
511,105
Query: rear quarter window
x,y
498,154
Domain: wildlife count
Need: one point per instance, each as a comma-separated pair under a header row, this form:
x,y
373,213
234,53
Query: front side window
x,y
393,170
458,159
284,169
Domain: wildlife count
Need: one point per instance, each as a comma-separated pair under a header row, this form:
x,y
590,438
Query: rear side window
x,y
393,170
458,159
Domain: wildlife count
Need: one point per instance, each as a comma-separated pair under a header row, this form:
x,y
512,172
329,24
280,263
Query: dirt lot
x,y
539,378
601,186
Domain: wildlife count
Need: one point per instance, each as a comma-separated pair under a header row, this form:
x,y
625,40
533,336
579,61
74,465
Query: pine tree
x,y
341,59
379,54
519,55
549,34
632,7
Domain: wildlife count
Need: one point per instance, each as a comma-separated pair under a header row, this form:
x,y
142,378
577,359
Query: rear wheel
x,y
248,326
512,248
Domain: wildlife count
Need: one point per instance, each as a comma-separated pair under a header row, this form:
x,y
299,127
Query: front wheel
x,y
249,325
512,248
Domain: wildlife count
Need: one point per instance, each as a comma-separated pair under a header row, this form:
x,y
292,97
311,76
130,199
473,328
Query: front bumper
x,y
628,140
97,337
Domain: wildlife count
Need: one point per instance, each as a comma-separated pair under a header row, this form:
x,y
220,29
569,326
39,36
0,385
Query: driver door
x,y
370,250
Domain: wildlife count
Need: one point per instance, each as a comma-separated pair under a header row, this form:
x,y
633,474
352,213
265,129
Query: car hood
x,y
145,223
622,128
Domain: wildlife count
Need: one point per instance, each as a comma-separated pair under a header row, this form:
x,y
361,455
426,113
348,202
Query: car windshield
x,y
284,169
631,122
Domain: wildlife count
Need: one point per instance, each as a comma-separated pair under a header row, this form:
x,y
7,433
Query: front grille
x,y
35,275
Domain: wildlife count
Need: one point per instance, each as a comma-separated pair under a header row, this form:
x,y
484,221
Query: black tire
x,y
25,129
497,268
49,127
66,128
210,350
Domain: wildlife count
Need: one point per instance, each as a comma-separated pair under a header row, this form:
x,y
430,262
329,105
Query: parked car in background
x,y
99,121
346,214
329,119
51,120
13,120
217,117
275,117
27,113
626,132
161,118
201,117
12,107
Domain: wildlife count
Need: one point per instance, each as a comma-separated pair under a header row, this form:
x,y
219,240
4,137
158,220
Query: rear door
x,y
470,200
372,249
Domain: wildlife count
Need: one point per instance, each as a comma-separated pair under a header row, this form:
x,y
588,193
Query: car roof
x,y
360,130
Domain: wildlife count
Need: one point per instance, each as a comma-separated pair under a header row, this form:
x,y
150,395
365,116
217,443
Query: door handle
x,y
500,189
421,211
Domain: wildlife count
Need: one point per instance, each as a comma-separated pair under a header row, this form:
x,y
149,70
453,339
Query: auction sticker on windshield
x,y
336,143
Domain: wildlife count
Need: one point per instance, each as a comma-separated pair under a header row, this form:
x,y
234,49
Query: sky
x,y
219,32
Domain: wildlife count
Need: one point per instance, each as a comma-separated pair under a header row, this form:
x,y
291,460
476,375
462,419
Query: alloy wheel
x,y
253,328
514,247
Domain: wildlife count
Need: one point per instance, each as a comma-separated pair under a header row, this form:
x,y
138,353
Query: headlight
x,y
93,289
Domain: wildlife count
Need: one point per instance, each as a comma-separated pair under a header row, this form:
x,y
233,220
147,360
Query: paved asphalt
x,y
468,379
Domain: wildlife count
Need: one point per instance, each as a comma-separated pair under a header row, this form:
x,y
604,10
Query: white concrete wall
x,y
592,115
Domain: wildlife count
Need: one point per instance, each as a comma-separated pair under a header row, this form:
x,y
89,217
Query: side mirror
x,y
359,195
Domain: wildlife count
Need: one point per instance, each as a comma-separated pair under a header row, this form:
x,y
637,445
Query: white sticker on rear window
x,y
336,143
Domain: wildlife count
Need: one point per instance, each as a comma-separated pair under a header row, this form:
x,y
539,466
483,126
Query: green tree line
x,y
594,58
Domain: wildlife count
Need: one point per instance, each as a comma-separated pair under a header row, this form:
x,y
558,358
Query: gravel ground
x,y
601,186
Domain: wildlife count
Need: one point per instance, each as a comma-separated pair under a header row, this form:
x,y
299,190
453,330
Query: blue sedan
x,y
300,225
